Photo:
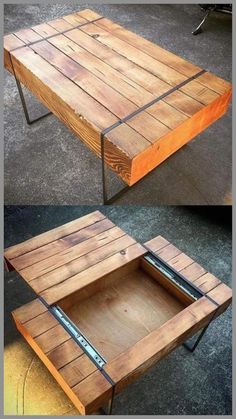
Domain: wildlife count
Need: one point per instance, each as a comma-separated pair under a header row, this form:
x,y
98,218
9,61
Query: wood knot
x,y
95,36
122,252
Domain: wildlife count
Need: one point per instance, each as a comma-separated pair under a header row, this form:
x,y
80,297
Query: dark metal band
x,y
51,36
152,102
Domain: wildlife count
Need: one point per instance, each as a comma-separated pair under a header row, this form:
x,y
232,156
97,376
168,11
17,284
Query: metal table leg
x,y
106,200
23,102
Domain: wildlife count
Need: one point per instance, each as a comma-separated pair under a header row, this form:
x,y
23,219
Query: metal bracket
x,y
24,106
78,336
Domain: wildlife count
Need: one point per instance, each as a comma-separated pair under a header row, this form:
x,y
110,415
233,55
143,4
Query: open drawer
x,y
108,308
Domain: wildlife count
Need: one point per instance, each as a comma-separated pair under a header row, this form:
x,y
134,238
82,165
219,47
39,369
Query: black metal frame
x,y
24,106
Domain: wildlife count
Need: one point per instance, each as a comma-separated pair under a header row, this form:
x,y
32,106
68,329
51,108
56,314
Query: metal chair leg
x,y
199,27
24,106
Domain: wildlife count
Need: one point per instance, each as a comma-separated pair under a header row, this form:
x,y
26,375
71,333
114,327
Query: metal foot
x,y
193,347
199,27
106,200
108,410
24,106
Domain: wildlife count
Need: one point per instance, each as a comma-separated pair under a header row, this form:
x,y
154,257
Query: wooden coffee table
x,y
130,101
108,308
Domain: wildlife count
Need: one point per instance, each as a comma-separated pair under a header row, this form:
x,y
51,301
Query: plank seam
x,y
59,33
50,242
63,250
101,261
152,102
204,294
75,259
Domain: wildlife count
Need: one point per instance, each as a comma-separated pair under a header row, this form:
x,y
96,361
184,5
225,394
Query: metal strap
x,y
183,278
81,340
152,102
51,36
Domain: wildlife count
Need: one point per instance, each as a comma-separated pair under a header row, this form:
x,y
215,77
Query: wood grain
x,y
92,75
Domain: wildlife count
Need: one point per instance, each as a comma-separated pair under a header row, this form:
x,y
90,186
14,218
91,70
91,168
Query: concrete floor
x,y
182,383
45,164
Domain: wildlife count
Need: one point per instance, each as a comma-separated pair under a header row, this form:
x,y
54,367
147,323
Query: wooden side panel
x,y
170,143
63,357
131,364
52,235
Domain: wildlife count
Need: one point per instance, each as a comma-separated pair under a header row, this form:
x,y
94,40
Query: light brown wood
x,y
92,75
125,307
118,316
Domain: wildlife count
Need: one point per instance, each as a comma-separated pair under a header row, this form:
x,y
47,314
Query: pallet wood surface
x,y
98,275
91,73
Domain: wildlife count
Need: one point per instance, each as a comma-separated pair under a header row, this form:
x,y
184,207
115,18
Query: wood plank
x,y
63,243
32,342
165,113
185,265
29,311
40,324
75,252
64,353
193,271
27,35
83,279
207,282
135,361
157,243
170,59
222,294
94,391
44,30
61,99
170,143
73,395
168,252
52,235
60,24
77,370
52,338
155,67
78,265
101,92
74,19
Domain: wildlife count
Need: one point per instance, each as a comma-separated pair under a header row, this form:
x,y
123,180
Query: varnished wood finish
x,y
130,313
93,75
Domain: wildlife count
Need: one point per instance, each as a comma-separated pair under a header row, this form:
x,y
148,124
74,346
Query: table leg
x,y
23,102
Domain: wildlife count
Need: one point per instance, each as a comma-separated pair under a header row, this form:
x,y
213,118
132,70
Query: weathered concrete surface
x,y
182,383
46,164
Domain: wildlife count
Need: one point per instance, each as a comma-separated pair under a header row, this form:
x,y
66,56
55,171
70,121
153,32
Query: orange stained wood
x,y
98,276
91,72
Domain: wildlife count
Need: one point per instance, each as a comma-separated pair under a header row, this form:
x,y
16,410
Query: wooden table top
x,y
92,73
75,256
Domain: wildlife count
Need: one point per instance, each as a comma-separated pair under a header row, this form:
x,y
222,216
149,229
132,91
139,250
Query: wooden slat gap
x,y
61,282
62,237
64,250
114,33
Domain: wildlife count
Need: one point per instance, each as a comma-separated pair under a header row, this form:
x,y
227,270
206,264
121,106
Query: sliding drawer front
x,y
66,361
92,73
136,360
74,257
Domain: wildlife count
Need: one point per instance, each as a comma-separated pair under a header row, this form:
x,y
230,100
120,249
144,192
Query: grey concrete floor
x,y
46,164
182,383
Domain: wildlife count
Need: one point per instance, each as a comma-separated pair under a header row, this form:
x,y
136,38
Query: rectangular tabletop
x,y
103,80
93,258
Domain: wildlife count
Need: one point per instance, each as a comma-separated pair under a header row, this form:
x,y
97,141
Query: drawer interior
x,y
123,308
